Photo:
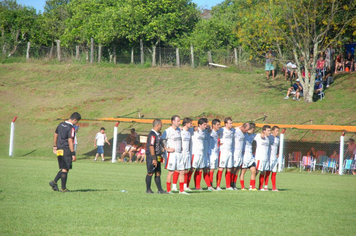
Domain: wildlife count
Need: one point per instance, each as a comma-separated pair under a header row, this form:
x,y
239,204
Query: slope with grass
x,y
39,92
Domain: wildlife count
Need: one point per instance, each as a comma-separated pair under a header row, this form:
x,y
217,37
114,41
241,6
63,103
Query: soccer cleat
x,y
162,192
275,190
170,192
243,189
184,192
252,189
286,97
63,190
266,189
199,189
53,185
234,188
262,189
174,189
211,189
230,189
218,189
149,191
187,189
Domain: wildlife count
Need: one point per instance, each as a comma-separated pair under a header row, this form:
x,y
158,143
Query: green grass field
x,y
308,204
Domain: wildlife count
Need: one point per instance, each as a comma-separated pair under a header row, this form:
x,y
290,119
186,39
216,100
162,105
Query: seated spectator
x,y
339,63
318,87
313,153
310,158
328,79
320,65
130,150
291,70
296,87
349,62
133,135
335,157
141,153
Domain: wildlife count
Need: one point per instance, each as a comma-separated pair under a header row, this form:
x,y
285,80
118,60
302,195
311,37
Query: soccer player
x,y
99,141
172,142
63,147
238,147
225,159
153,158
262,154
198,157
274,144
186,150
214,148
248,159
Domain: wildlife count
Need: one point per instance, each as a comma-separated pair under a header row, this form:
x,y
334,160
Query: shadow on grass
x,y
89,190
27,154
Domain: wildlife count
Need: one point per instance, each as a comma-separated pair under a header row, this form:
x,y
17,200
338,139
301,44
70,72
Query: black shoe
x,y
64,191
149,191
162,192
53,185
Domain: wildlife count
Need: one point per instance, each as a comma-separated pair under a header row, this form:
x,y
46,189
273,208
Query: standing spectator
x,y
351,148
133,135
63,147
269,64
99,141
320,65
329,56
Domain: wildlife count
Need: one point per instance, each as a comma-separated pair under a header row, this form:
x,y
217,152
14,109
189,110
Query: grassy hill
x,y
40,92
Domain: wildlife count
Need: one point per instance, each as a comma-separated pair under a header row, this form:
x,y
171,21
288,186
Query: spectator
x,y
349,62
336,157
269,64
310,157
133,135
351,149
130,150
320,65
313,153
339,63
318,87
291,70
296,87
141,153
329,56
328,79
99,141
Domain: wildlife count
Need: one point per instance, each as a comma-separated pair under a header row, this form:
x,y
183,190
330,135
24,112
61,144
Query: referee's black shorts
x,y
150,167
65,161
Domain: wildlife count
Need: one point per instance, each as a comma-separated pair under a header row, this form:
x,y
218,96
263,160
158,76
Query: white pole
x,y
114,143
281,145
12,131
341,160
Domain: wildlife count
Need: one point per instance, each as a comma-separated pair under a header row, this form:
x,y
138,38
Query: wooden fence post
x,y
153,56
77,52
51,51
235,53
114,53
192,54
28,51
177,57
59,50
210,59
91,50
99,53
132,55
141,49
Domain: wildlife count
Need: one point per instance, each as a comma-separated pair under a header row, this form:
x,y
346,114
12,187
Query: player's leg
x,y
96,156
253,177
171,167
175,180
228,171
168,180
102,157
242,180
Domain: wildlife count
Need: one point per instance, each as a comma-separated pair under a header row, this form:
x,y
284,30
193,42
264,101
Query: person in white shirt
x,y
226,148
248,159
238,147
199,152
273,158
262,153
99,141
214,148
172,142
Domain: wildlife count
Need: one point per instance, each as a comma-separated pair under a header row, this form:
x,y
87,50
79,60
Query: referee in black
x,y
63,147
153,161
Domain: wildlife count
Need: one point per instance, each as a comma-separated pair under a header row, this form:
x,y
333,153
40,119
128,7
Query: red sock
x,y
235,178
261,181
189,177
207,179
232,177
242,183
218,178
228,179
267,177
185,178
273,178
181,186
175,177
168,186
197,179
211,177
253,184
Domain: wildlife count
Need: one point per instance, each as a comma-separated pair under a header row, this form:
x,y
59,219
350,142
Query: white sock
x,y
185,186
174,186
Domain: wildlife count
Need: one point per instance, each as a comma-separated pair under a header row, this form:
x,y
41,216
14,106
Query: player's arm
x,y
71,147
55,138
164,142
106,140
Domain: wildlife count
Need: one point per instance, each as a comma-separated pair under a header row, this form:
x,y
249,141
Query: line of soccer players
x,y
202,150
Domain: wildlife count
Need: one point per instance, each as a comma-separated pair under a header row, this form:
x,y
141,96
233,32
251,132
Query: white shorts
x,y
174,161
238,160
214,160
187,161
225,159
262,165
198,161
248,161
273,165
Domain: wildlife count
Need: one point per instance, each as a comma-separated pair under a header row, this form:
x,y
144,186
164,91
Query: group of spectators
x,y
132,148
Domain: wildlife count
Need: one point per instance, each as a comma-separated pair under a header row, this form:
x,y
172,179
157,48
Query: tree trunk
x,y
91,50
28,51
51,51
77,53
114,53
141,49
192,54
154,56
177,57
59,50
132,56
235,55
99,53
